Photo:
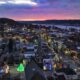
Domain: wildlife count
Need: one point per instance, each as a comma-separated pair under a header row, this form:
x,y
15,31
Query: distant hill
x,y
60,22
64,22
8,21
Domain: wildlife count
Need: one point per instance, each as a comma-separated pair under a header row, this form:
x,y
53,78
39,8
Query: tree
x,y
20,68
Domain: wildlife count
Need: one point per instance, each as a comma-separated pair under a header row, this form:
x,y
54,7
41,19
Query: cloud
x,y
40,3
2,2
18,2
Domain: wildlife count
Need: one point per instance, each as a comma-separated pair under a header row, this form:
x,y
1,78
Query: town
x,y
38,52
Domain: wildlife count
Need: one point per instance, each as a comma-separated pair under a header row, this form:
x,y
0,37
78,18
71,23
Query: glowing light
x,y
54,66
6,69
20,68
44,68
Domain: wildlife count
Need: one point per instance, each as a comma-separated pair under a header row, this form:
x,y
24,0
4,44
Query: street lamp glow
x,y
6,68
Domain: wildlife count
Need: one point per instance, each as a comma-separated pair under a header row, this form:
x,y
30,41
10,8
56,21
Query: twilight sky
x,y
28,10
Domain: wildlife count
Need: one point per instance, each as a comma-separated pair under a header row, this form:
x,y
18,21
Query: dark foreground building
x,y
33,72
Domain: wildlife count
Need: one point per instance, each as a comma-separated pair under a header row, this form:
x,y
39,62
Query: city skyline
x,y
32,10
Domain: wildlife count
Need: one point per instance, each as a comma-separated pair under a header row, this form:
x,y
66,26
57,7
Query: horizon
x,y
41,20
40,10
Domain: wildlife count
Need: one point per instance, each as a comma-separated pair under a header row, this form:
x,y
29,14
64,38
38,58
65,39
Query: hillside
x,y
7,21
